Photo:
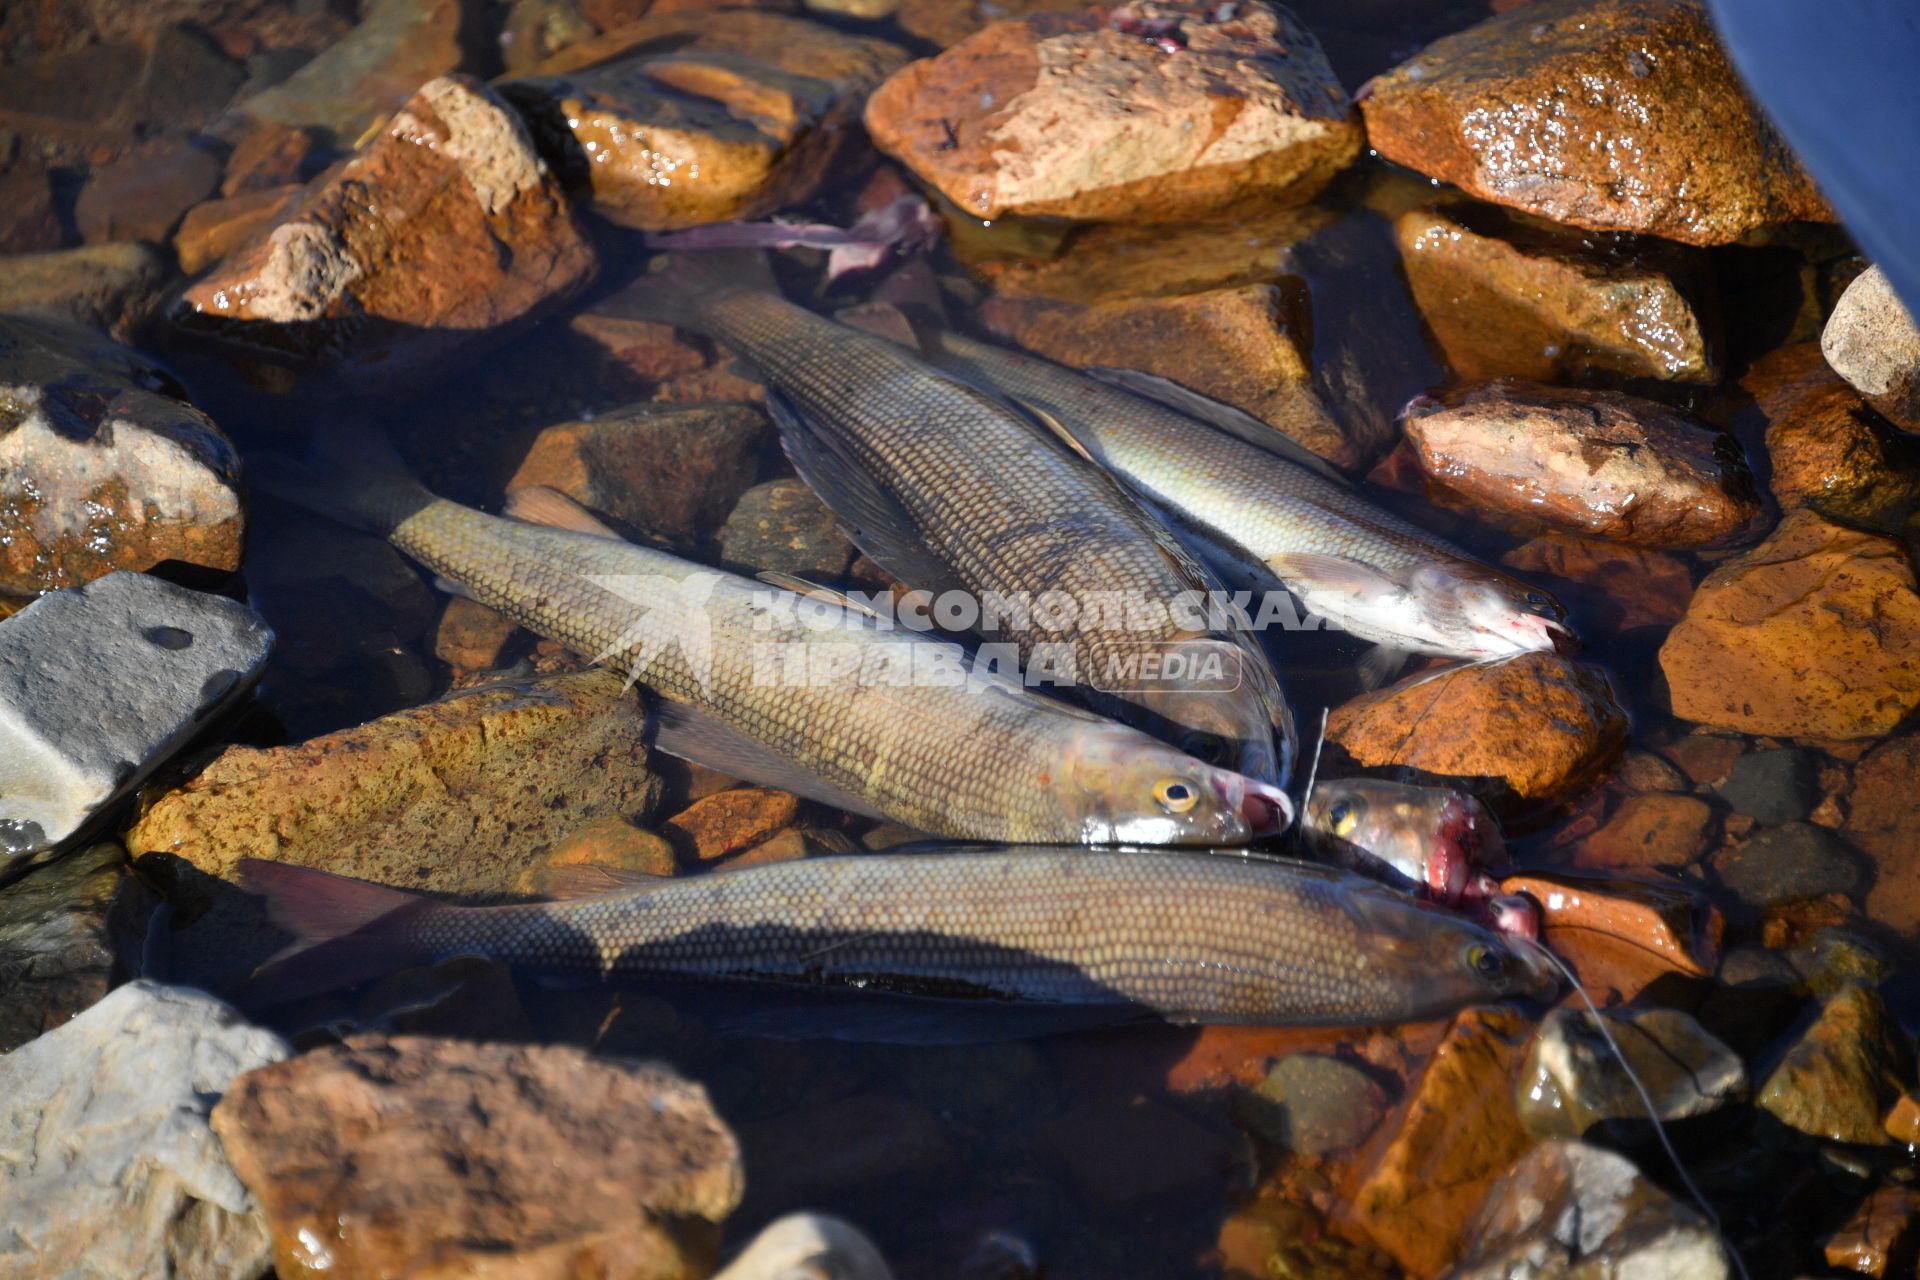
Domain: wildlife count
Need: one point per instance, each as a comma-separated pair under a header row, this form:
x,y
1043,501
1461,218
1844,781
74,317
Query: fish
x,y
884,723
1430,839
1270,513
950,489
1183,937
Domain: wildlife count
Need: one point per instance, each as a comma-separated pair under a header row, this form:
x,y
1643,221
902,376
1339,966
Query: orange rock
x,y
1649,831
1537,725
1813,633
1903,1120
638,351
729,821
1883,821
1244,113
472,637
212,230
1609,587
141,196
1248,346
1459,1134
948,22
1706,758
271,156
1659,138
609,841
1621,933
1880,1230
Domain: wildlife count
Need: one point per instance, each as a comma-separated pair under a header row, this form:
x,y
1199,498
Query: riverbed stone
x,y
1650,831
445,229
1572,1080
1660,137
803,1246
100,684
142,195
729,821
783,527
64,929
1245,112
1622,933
1813,633
29,219
1796,860
1872,342
691,117
1883,821
1511,296
1840,1076
111,288
1313,1104
215,228
1611,588
379,1154
1772,786
1596,462
107,1165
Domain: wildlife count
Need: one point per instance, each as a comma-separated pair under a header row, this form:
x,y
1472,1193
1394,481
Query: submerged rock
x,y
443,230
1797,860
60,949
692,117
1884,822
1596,462
101,95
783,527
1572,1080
108,287
373,1156
1313,1104
1777,785
1838,1079
1607,586
673,472
212,230
1650,831
100,469
142,195
1621,933
727,822
1178,109
1533,726
1813,633
1615,115
1879,1235
1512,298
1872,342
1569,1209
99,685
107,1166
29,219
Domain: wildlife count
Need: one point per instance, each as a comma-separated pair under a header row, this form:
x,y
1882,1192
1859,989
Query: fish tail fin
x,y
345,931
683,284
352,474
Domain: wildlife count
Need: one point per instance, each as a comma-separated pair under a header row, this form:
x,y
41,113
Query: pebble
x,y
1878,1235
1660,137
1838,1079
107,1165
1595,462
1797,860
1572,1081
66,932
1655,830
1509,296
1312,1104
783,527
472,638
1623,933
1773,786
1814,633
1246,114
609,841
527,1160
1872,342
99,685
271,157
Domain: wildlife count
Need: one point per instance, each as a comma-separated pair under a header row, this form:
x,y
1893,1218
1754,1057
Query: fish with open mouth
x,y
878,722
949,488
1182,937
1268,512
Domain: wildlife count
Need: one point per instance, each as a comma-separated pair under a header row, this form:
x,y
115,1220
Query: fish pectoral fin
x,y
537,504
814,591
1312,570
563,883
871,515
1381,664
696,734
1237,423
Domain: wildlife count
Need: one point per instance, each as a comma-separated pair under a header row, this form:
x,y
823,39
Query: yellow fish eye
x,y
1174,795
1343,817
1486,962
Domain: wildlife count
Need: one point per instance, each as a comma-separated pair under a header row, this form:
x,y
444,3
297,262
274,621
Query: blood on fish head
x,y
1480,612
1124,787
1427,838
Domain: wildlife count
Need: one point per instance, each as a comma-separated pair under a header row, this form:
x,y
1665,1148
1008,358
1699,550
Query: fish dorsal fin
x,y
1237,423
814,591
564,883
696,734
872,517
537,504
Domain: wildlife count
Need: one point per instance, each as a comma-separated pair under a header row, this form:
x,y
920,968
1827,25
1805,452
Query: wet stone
x,y
1661,137
99,685
1572,1081
782,526
865,1141
1623,933
142,195
729,821
609,842
1596,462
1843,1072
63,929
1642,773
1246,113
107,1165
109,93
1773,786
1122,1150
216,228
1879,1235
808,1245
108,287
273,156
1872,342
29,219
527,1159
1650,831
1312,1104
1884,822
1606,586
1798,860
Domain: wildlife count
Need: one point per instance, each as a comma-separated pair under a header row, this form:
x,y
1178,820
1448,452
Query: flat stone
x,y
1313,1104
272,156
609,842
1878,1235
1883,821
1797,860
729,821
141,196
1244,113
1609,587
1621,934
1872,342
1572,1080
1659,137
1650,831
60,949
107,1165
1814,633
106,287
1513,297
215,228
99,685
526,1160
108,93
783,527
1778,785
1596,462
1838,1079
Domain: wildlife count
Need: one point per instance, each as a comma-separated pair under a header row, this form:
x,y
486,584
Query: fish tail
x,y
683,285
345,930
352,474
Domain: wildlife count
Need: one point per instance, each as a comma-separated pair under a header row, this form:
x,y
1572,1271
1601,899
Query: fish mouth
x,y
1551,634
1266,809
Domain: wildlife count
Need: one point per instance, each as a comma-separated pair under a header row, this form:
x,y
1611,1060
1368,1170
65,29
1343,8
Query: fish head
x,y
1219,704
1426,838
1123,787
1436,959
1474,611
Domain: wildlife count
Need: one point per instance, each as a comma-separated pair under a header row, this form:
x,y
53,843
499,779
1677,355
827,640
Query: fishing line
x,y
1313,773
1646,1099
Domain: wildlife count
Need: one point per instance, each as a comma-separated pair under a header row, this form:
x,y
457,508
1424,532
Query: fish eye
x,y
1174,795
1342,817
1206,747
1538,600
1486,962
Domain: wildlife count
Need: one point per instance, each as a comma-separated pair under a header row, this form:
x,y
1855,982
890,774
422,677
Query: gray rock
x,y
1873,343
1569,1210
110,287
1312,1104
1572,1080
107,1166
65,931
99,684
1798,860
1772,787
808,1246
782,526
